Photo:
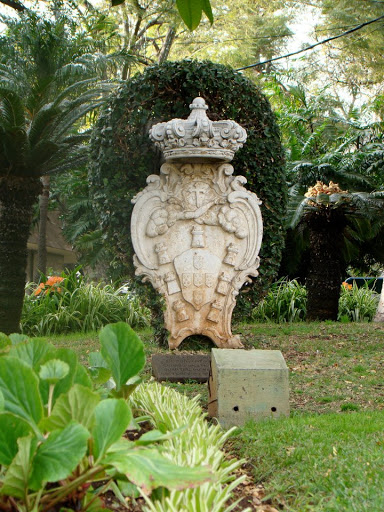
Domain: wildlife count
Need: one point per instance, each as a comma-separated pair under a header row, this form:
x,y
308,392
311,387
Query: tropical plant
x,y
200,444
44,100
357,304
66,303
286,301
338,225
58,435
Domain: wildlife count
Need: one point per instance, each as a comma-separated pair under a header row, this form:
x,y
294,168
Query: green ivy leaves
x,y
163,92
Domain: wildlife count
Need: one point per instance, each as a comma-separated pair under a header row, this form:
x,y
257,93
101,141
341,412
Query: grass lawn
x,y
329,455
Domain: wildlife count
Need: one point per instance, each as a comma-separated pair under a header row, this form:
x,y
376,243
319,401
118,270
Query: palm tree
x,y
328,143
336,224
44,100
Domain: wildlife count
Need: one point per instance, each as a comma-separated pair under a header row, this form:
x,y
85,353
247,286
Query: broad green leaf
x,y
1,401
16,478
123,351
127,389
154,436
148,469
20,387
100,375
99,368
78,405
11,429
32,352
59,455
127,488
5,343
206,6
53,371
81,377
190,12
69,357
112,418
96,360
17,338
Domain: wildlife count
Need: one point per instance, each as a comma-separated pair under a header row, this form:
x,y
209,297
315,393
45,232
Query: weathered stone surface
x,y
247,384
181,367
195,229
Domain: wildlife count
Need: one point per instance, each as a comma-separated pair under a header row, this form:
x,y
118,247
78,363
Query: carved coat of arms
x,y
195,229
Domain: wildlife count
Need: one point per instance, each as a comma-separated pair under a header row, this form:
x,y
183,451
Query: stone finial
x,y
198,138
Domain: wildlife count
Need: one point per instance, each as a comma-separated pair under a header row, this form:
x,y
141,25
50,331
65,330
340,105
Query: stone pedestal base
x,y
247,385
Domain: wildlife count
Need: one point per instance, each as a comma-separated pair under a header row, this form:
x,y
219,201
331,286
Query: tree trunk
x,y
379,317
17,197
166,48
42,241
326,266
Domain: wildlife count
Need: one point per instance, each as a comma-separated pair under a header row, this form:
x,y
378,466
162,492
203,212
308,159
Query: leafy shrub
x,y
59,435
200,444
357,304
123,155
69,304
286,301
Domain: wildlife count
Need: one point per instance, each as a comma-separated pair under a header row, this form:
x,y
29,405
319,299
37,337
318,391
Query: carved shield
x,y
210,280
186,280
197,284
198,279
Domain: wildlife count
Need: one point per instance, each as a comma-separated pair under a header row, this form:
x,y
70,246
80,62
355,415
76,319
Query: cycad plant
x,y
46,94
338,224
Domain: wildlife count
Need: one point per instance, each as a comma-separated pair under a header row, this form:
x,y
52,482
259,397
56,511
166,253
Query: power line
x,y
358,27
254,38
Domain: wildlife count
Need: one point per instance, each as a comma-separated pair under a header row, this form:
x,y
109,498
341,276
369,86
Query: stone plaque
x,y
181,367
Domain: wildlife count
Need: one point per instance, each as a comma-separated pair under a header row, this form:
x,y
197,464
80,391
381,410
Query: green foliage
x,y
200,443
192,10
74,305
71,438
286,301
123,155
189,10
122,369
357,304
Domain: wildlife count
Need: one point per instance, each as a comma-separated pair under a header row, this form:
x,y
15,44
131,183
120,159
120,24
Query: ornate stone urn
x,y
196,230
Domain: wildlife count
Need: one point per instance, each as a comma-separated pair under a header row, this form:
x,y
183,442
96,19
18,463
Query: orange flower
x,y
347,286
39,288
49,285
52,280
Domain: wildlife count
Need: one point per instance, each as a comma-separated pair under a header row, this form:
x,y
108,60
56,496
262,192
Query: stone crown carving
x,y
198,138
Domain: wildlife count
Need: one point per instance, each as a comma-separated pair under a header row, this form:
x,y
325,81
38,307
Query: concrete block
x,y
247,384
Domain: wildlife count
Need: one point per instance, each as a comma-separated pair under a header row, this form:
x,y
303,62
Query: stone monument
x,y
196,230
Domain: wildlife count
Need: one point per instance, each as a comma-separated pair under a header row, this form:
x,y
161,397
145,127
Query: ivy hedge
x,y
123,156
